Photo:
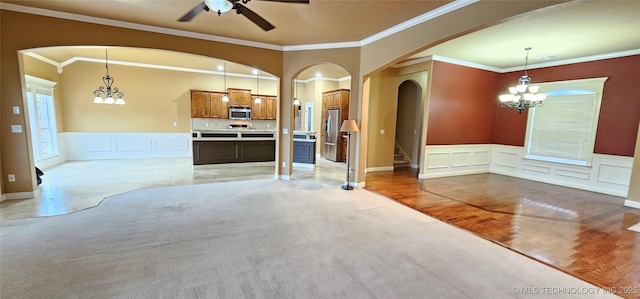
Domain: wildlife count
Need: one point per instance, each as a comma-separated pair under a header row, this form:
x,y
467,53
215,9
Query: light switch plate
x,y
382,132
16,109
16,128
285,131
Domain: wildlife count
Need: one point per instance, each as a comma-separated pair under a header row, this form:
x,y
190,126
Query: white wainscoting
x,y
608,174
97,145
452,160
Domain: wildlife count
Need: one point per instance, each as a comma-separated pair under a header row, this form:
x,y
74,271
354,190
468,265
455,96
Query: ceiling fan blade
x,y
193,12
253,17
290,1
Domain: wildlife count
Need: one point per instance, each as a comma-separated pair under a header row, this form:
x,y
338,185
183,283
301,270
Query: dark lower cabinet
x,y
304,152
217,152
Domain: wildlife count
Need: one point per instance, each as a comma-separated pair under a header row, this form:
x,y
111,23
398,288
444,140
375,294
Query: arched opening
x,y
408,126
159,121
323,94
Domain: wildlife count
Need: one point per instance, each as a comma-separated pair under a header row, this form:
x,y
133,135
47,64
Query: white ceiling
x,y
567,32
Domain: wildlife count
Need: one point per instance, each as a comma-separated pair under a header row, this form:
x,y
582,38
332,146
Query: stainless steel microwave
x,y
239,113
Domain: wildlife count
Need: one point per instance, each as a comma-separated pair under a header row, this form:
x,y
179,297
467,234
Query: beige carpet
x,y
261,239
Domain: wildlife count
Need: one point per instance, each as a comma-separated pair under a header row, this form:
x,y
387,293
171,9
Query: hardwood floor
x,y
579,232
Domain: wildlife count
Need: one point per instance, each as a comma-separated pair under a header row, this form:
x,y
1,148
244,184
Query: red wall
x,y
462,106
619,112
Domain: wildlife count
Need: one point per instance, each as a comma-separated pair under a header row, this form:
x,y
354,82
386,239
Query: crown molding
x,y
518,68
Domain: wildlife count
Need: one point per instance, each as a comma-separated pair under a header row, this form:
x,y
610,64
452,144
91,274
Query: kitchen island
x,y
304,147
233,146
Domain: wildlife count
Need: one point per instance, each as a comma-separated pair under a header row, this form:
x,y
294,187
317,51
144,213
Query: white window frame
x,y
41,86
565,88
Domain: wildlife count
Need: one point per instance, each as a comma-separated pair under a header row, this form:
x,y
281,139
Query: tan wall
x,y
383,104
155,98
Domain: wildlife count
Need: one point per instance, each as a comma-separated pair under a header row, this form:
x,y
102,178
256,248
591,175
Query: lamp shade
x,y
349,125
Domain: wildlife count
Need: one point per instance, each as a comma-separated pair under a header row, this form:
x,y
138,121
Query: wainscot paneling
x,y
607,174
451,160
98,145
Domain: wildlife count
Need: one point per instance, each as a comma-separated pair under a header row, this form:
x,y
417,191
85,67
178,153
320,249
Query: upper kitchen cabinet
x,y
207,104
240,97
200,104
264,110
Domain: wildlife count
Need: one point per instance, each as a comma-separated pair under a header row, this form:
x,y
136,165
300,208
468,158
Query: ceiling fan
x,y
221,6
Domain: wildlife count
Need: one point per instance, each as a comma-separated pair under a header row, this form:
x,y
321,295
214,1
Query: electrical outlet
x,y
175,123
12,178
284,164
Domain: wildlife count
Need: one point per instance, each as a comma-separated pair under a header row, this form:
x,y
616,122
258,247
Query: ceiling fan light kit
x,y
222,6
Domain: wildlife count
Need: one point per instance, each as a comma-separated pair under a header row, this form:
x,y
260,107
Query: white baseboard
x,y
303,165
19,195
377,169
632,204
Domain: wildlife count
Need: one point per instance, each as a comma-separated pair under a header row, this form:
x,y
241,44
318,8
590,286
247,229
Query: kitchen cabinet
x,y
200,104
240,98
233,151
208,104
335,100
264,110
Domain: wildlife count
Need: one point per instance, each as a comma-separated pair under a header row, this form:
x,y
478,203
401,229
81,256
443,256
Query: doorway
x,y
408,129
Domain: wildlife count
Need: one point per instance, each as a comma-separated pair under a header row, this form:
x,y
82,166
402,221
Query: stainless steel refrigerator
x,y
332,135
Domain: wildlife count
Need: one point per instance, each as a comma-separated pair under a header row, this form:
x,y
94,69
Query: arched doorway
x,y
408,128
312,88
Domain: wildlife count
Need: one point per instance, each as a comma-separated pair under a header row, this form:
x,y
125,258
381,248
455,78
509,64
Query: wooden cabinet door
x,y
271,107
200,104
216,105
258,110
327,101
247,100
224,109
239,98
337,99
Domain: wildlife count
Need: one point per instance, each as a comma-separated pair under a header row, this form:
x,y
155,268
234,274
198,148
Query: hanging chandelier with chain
x,y
107,94
523,96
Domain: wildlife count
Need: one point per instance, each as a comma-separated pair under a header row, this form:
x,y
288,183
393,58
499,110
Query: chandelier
x,y
523,96
257,100
107,91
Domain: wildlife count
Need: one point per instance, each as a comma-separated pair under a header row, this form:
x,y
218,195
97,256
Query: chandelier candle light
x,y
107,91
523,96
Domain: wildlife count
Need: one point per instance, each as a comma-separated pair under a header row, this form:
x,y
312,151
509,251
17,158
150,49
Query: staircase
x,y
400,159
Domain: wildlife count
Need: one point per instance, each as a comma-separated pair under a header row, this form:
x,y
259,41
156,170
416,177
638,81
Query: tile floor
x,y
78,185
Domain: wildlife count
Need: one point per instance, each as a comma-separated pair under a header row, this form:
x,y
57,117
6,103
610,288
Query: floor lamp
x,y
348,126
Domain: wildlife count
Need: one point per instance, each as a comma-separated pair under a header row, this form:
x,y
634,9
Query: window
x,y
564,129
42,117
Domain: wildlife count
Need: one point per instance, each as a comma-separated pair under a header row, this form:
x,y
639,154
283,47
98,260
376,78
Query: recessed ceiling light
x,y
255,72
318,74
220,68
546,57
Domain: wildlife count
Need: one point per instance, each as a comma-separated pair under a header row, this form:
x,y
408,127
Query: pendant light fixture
x,y
111,94
296,102
225,98
258,100
523,96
